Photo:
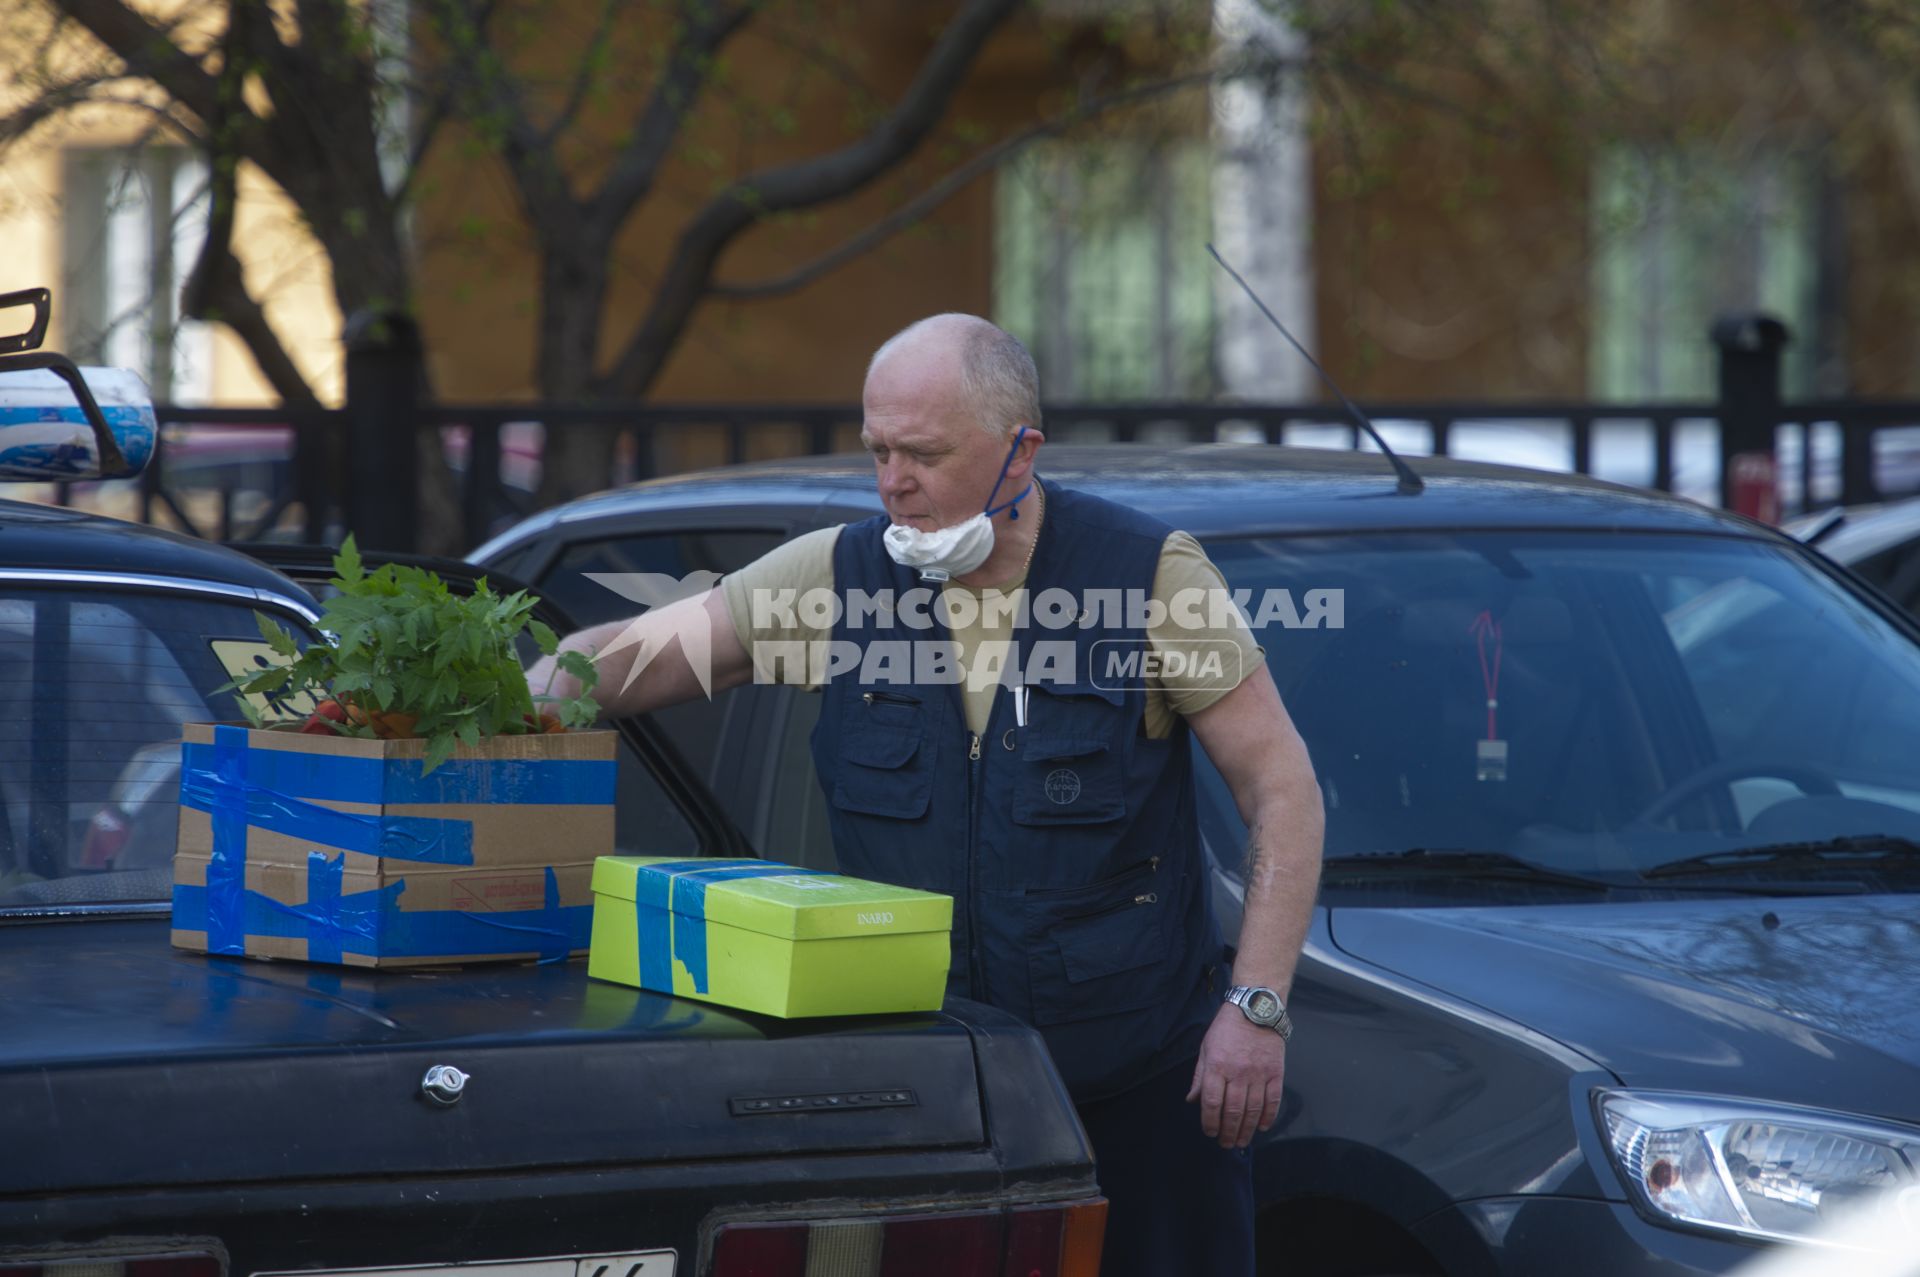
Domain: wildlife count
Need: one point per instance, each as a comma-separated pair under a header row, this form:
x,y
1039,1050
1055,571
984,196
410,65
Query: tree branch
x,y
162,112
800,185
1463,112
147,50
214,289
543,188
52,101
590,63
423,139
840,69
632,174
949,186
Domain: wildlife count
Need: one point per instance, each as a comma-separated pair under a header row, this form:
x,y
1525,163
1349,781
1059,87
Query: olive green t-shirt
x,y
981,628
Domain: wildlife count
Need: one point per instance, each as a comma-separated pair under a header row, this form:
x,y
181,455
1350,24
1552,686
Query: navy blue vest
x,y
1070,845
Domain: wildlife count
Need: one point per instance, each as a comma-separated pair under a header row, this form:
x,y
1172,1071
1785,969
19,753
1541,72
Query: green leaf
x,y
270,680
439,750
580,665
346,564
282,643
408,644
351,637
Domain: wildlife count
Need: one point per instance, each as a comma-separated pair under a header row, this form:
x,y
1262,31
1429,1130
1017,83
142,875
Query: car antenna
x,y
1410,483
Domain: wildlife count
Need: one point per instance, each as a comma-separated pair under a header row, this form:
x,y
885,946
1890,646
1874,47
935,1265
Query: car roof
x,y
1867,531
1206,489
56,539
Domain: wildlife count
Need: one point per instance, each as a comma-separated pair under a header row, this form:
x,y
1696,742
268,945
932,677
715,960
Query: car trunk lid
x,y
127,1063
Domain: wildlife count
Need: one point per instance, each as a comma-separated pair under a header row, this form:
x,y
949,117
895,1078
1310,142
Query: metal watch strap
x,y
1240,994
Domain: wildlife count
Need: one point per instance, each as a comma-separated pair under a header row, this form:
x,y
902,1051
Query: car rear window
x,y
94,687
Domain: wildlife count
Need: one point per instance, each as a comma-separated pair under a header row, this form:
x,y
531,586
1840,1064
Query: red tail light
x,y
1058,1239
117,1266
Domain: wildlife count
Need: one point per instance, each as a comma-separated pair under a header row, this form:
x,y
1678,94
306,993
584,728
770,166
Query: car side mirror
x,y
53,426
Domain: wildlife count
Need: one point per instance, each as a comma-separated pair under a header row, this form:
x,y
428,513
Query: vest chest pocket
x,y
1071,771
885,764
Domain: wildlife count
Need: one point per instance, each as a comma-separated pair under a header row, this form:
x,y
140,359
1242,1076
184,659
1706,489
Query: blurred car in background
x,y
1880,543
1636,1000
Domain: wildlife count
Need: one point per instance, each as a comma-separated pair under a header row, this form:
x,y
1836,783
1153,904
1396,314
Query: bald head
x,y
979,368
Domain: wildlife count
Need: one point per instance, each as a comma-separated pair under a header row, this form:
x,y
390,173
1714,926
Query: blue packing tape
x,y
239,788
227,861
324,878
231,791
680,887
371,922
346,778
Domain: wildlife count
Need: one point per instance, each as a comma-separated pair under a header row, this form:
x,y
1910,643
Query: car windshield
x,y
94,687
1600,705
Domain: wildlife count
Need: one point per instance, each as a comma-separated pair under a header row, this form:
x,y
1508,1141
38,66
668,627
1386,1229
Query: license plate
x,y
642,1263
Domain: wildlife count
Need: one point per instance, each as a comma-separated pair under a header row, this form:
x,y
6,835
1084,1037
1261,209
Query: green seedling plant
x,y
410,658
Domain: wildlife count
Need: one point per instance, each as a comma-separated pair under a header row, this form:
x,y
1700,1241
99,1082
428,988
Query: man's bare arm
x,y
1250,738
654,641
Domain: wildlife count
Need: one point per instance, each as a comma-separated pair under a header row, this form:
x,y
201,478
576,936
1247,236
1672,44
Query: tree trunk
x,y
578,456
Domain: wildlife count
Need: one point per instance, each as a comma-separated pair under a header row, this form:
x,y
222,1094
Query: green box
x,y
768,937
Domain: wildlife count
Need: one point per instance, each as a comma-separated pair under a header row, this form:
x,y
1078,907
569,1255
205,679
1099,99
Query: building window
x,y
1100,266
1681,239
134,220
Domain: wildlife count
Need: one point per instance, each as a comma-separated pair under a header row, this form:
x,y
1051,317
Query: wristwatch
x,y
1263,1007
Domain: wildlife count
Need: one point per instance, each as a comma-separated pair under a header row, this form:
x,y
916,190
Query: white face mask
x,y
945,553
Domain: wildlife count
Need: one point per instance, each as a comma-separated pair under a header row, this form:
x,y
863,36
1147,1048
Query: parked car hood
x,y
1804,1000
126,1062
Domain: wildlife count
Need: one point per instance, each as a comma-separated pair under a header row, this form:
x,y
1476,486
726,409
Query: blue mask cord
x,y
992,509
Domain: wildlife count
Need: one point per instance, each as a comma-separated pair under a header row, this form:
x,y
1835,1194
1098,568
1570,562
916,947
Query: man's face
x,y
933,463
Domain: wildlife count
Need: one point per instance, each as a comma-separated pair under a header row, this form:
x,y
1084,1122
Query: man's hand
x,y
545,678
668,680
1242,1067
1250,738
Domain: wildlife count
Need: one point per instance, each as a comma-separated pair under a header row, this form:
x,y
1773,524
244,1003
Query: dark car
x,y
1613,965
171,1114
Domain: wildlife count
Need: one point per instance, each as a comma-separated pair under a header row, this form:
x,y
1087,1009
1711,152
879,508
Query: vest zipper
x,y
1150,865
975,982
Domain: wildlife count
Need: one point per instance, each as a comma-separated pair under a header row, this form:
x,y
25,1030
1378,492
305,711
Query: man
x,y
1055,806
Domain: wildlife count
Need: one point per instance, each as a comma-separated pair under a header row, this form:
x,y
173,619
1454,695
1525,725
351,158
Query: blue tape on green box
x,y
768,937
337,849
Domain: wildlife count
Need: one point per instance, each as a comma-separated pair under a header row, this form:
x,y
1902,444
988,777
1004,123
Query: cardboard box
x,y
768,937
337,849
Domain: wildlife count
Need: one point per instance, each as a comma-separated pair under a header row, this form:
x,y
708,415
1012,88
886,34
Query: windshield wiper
x,y
1850,850
1453,862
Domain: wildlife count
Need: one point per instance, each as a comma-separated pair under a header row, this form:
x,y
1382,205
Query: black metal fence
x,y
247,474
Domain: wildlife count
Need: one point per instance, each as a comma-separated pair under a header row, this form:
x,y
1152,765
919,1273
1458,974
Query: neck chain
x,y
1039,513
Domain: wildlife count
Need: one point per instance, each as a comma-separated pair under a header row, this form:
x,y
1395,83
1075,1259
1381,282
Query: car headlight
x,y
1761,1170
